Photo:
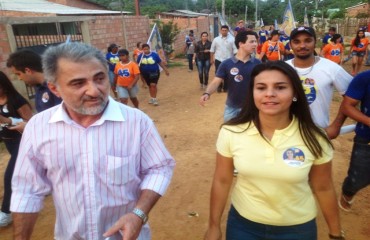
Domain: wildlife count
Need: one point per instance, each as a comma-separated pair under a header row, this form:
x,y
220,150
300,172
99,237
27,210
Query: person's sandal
x,y
349,203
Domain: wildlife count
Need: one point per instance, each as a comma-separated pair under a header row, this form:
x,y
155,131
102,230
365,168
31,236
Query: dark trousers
x,y
190,60
358,176
240,228
12,145
223,85
203,71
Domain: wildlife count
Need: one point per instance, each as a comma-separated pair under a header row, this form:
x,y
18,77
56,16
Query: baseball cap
x,y
113,45
298,30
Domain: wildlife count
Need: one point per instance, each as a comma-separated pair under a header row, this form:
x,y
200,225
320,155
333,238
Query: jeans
x,y
190,60
203,70
240,228
230,112
12,145
358,175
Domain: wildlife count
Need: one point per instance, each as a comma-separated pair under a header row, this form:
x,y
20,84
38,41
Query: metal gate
x,y
39,36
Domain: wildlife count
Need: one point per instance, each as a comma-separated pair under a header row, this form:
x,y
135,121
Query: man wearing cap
x,y
318,76
112,59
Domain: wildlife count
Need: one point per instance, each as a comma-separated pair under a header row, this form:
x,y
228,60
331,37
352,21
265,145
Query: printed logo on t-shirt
x,y
238,78
45,97
294,157
114,59
125,72
148,60
234,71
5,109
361,45
309,88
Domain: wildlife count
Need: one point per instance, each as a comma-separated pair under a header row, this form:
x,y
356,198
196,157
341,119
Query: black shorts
x,y
151,77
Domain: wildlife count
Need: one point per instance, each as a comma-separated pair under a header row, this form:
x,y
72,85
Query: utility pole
x,y
256,14
223,9
137,8
246,12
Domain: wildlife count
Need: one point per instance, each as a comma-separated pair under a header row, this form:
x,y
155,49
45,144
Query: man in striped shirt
x,y
104,163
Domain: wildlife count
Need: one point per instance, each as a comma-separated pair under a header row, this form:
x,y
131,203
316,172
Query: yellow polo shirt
x,y
272,185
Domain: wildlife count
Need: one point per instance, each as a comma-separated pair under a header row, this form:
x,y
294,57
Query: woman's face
x,y
204,37
273,94
146,50
361,34
290,154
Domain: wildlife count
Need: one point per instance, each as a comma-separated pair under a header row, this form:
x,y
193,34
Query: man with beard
x,y
322,74
104,163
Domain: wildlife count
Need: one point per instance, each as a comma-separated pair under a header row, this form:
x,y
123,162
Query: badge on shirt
x,y
45,97
294,157
238,78
5,109
310,89
234,71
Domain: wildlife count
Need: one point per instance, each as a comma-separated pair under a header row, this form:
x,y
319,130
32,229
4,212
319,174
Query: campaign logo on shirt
x,y
45,97
361,45
5,109
309,88
294,157
148,60
234,71
238,78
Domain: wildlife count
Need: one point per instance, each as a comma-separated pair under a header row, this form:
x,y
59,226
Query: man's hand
x,y
128,225
203,99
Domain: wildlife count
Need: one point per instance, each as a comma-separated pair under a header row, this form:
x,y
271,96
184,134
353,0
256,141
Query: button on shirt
x,y
223,47
95,174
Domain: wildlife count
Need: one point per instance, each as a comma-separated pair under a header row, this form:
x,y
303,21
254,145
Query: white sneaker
x,y
155,102
5,219
151,101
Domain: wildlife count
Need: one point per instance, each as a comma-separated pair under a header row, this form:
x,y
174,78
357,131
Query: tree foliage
x,y
268,10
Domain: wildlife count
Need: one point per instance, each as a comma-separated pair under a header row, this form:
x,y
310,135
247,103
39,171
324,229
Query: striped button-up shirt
x,y
95,174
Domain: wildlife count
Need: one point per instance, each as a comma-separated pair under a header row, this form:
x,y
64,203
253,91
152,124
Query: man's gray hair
x,y
74,51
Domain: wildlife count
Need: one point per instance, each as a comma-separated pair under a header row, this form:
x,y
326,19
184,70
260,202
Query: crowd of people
x,y
276,135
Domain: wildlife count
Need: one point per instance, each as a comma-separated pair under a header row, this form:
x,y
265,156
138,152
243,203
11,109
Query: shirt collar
x,y
111,113
288,131
235,60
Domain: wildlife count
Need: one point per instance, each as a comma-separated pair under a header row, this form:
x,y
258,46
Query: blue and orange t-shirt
x,y
126,73
360,47
333,52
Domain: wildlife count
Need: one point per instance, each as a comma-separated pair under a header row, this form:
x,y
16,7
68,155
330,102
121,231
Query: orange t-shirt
x,y
362,46
271,50
126,73
333,52
137,52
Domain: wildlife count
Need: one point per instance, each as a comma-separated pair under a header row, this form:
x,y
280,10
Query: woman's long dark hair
x,y
10,92
300,109
358,38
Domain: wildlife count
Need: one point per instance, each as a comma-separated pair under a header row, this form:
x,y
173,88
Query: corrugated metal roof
x,y
43,6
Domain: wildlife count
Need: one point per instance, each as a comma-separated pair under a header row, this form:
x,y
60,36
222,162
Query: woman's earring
x,y
294,99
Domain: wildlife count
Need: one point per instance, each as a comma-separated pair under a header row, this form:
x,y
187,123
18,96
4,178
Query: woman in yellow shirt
x,y
272,198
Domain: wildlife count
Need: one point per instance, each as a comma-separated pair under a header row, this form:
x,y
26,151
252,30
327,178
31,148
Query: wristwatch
x,y
138,212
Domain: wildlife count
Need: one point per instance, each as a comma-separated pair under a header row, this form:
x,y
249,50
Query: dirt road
x,y
190,132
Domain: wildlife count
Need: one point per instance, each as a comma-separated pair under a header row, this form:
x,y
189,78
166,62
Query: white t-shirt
x,y
318,84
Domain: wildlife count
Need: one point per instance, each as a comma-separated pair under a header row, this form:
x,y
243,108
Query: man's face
x,y
303,45
250,44
83,86
26,76
224,32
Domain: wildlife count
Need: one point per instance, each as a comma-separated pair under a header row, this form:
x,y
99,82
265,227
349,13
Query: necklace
x,y
307,71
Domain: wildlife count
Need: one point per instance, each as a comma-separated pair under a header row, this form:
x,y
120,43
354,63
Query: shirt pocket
x,y
120,170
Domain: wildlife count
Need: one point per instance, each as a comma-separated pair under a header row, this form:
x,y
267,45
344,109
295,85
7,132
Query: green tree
x,y
169,32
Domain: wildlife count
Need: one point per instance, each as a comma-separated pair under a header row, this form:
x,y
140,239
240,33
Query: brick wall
x,y
353,11
125,32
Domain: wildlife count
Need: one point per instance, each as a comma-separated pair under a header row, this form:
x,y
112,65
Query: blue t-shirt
x,y
112,59
327,37
263,34
359,89
237,74
44,98
149,62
